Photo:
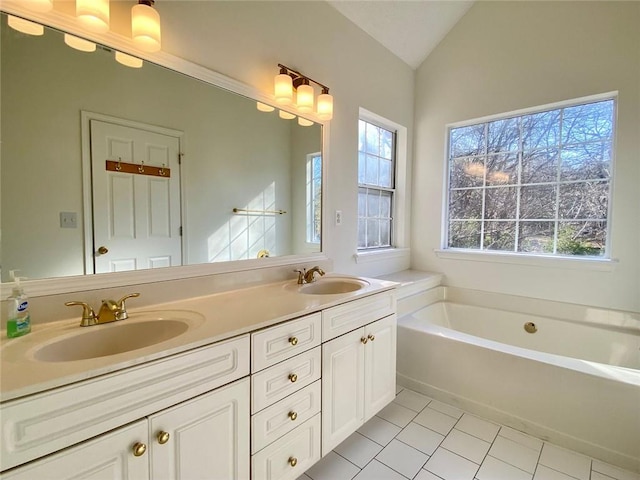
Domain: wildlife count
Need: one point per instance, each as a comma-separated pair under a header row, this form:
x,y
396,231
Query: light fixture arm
x,y
300,79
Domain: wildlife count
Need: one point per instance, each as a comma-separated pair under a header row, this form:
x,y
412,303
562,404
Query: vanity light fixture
x,y
128,60
79,43
25,26
286,115
93,14
288,80
263,107
145,26
303,122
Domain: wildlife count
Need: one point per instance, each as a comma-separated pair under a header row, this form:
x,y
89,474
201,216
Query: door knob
x,y
293,416
293,461
293,377
163,437
139,449
371,337
103,250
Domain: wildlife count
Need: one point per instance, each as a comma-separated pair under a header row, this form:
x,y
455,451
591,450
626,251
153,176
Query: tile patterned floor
x,y
418,438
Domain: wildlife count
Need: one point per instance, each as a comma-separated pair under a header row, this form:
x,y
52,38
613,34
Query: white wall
x,y
504,56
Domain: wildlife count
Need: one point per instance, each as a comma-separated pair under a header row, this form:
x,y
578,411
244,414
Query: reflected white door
x,y
136,217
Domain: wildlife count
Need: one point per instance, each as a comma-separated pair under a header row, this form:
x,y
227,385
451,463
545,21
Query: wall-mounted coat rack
x,y
138,169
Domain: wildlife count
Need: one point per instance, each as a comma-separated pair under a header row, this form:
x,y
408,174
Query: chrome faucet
x,y
110,311
309,274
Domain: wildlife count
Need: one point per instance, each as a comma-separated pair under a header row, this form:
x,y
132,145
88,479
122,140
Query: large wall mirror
x,y
108,168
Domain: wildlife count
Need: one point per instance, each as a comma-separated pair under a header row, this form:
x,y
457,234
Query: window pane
x,y
467,141
362,202
386,144
372,139
385,174
582,238
373,233
362,135
373,204
464,234
465,204
362,167
504,135
466,172
586,162
385,233
538,202
541,130
584,200
500,236
362,233
371,175
502,169
385,204
540,166
586,123
500,203
536,237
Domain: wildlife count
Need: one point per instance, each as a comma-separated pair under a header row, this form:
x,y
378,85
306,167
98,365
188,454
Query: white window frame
x,y
530,258
310,196
400,207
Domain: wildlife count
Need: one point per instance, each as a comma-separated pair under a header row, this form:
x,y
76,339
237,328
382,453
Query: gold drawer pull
x,y
139,449
372,337
163,437
364,340
293,461
293,416
293,341
293,377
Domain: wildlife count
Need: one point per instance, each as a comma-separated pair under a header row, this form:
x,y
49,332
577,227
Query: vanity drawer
x,y
285,415
344,318
289,457
278,343
281,380
49,421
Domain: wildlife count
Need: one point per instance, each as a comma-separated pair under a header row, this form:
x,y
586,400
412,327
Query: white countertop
x,y
225,315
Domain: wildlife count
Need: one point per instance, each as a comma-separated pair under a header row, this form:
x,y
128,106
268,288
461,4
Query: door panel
x,y
380,365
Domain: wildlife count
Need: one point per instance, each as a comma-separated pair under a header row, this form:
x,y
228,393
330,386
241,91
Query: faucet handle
x,y
301,273
123,315
88,315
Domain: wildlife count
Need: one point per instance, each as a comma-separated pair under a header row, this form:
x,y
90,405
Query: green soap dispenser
x,y
18,319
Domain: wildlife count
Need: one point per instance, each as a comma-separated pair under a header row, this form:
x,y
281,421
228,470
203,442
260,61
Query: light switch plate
x,y
68,220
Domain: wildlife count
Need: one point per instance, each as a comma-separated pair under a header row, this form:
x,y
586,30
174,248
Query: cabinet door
x,y
107,457
342,388
380,365
208,437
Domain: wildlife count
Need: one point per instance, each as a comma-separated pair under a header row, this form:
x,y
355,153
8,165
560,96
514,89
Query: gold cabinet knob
x,y
163,437
293,341
364,340
103,250
293,416
139,449
293,377
371,337
293,461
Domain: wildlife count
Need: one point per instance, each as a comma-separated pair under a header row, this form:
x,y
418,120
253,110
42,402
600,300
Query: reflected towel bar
x,y
244,210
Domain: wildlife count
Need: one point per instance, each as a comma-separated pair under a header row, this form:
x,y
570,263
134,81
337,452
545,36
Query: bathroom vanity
x,y
261,384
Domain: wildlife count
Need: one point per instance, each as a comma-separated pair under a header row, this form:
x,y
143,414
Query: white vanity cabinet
x,y
358,378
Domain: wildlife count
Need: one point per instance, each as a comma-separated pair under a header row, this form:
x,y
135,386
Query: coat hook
x,y
141,168
118,165
161,171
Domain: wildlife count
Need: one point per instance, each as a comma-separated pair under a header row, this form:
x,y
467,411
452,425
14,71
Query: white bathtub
x,y
575,382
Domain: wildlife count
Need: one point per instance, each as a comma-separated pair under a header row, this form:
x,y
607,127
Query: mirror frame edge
x,y
60,285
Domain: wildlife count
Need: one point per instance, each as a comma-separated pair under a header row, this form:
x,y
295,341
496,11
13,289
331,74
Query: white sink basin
x,y
333,286
117,337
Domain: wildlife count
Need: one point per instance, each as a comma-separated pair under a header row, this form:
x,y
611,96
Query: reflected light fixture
x,y
288,80
145,26
79,43
286,115
128,60
39,5
93,14
263,107
25,26
303,122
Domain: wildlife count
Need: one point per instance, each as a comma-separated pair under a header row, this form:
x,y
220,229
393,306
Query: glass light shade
x,y
303,122
283,89
25,26
286,115
39,5
304,98
325,106
93,14
263,107
128,60
79,43
145,27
